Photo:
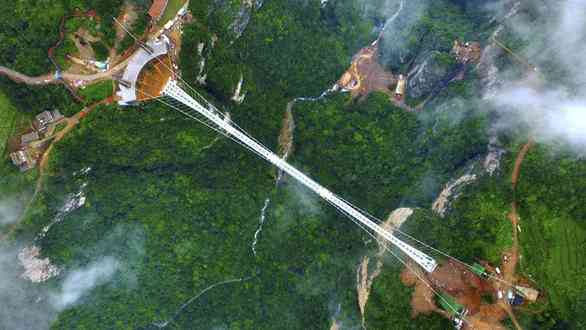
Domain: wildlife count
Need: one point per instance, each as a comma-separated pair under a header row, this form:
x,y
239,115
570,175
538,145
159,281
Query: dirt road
x,y
24,79
468,289
519,161
510,265
51,78
511,258
72,122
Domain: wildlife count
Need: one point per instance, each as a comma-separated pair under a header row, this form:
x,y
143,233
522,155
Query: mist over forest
x,y
465,117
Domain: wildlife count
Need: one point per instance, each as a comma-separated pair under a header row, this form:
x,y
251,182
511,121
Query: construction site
x,y
27,148
367,75
472,296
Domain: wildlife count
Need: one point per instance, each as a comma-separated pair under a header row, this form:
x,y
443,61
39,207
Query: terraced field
x,y
10,121
173,7
553,246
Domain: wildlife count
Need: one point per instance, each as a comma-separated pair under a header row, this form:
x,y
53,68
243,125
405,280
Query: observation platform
x,y
138,84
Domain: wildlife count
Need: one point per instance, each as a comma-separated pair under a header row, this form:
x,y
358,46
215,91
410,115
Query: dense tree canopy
x,y
179,206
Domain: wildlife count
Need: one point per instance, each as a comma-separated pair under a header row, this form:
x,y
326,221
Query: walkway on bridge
x,y
151,50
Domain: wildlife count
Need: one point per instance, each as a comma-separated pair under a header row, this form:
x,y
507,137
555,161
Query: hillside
x,y
145,219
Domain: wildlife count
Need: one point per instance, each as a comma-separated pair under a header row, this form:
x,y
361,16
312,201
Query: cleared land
x,y
97,92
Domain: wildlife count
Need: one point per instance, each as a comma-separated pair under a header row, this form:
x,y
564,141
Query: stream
x,y
72,202
286,138
263,217
391,20
164,324
286,142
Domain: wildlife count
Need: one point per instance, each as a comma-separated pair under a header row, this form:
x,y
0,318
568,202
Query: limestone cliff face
x,y
239,14
429,71
367,272
36,269
450,192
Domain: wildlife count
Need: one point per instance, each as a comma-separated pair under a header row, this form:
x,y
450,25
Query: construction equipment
x,y
479,270
514,298
457,311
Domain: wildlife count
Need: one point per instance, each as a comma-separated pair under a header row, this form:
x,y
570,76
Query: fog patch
x,y
306,200
23,305
449,113
550,116
80,282
396,37
551,109
385,8
10,211
112,261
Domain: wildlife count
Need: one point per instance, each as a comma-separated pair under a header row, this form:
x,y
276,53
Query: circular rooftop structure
x,y
138,84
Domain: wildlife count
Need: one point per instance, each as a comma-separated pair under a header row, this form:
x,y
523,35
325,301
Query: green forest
x,y
177,204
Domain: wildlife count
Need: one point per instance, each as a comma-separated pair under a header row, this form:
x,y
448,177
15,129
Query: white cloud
x,y
554,112
10,210
80,282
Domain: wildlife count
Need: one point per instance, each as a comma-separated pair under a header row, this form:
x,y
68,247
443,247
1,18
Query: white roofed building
x,y
128,88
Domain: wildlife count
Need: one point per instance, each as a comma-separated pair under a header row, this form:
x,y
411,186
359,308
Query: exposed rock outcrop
x,y
429,71
450,192
36,270
240,13
242,18
492,161
238,95
365,277
398,217
335,325
201,76
364,282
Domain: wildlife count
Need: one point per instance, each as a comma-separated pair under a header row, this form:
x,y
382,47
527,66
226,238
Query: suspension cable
x,y
385,247
172,72
361,226
396,229
210,126
215,110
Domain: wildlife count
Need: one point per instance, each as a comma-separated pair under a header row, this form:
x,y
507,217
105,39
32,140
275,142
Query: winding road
x,y
51,78
510,266
24,79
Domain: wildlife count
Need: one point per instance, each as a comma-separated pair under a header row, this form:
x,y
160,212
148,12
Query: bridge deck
x,y
174,91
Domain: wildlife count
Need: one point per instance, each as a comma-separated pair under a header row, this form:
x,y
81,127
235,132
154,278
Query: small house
x,y
23,160
28,138
45,118
514,298
529,293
